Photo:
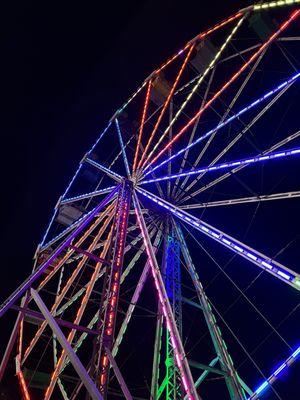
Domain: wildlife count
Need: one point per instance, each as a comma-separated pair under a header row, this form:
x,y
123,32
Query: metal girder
x,y
79,368
111,288
41,269
243,200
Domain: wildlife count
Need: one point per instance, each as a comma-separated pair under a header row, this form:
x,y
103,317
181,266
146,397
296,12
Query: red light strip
x,y
140,164
142,125
228,83
110,318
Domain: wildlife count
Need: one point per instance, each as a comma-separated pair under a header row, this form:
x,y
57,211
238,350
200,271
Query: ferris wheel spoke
x,y
224,116
259,100
144,160
102,168
237,169
241,134
140,134
87,195
123,148
185,155
266,263
181,359
254,56
243,200
198,83
230,164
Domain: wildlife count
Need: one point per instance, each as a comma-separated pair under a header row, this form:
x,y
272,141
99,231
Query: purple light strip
x,y
245,161
269,265
266,384
40,270
227,121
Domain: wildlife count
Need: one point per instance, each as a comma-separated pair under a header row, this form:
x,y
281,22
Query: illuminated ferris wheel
x,y
148,278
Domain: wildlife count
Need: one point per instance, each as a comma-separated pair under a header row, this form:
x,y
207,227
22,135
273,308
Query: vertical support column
x,y
233,384
173,288
111,289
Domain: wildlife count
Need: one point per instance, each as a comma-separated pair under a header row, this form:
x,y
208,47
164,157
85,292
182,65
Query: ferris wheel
x,y
168,245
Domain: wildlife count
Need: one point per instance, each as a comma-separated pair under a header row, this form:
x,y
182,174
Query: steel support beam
x,y
41,269
111,289
79,368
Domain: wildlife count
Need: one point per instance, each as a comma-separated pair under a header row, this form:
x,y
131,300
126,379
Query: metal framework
x,y
122,300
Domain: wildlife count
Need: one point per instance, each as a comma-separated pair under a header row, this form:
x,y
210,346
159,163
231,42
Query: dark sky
x,y
66,66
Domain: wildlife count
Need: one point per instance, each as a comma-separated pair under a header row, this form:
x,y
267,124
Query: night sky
x,y
66,66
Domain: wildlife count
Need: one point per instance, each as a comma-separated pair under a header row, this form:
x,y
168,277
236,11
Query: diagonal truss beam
x,y
266,263
181,360
79,368
243,200
40,270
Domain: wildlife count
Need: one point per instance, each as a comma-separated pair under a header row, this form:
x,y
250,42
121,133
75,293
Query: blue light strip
x,y
227,121
104,169
278,270
122,148
100,137
271,379
245,161
87,195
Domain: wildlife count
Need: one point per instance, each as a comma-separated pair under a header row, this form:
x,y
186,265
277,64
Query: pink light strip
x,y
141,163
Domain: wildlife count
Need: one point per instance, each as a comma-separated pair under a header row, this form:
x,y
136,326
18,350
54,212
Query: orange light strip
x,y
23,385
71,279
140,164
79,315
142,125
293,16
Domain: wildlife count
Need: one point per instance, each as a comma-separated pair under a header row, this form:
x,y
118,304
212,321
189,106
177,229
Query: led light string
x,y
276,269
230,164
227,121
140,134
166,103
283,26
196,86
